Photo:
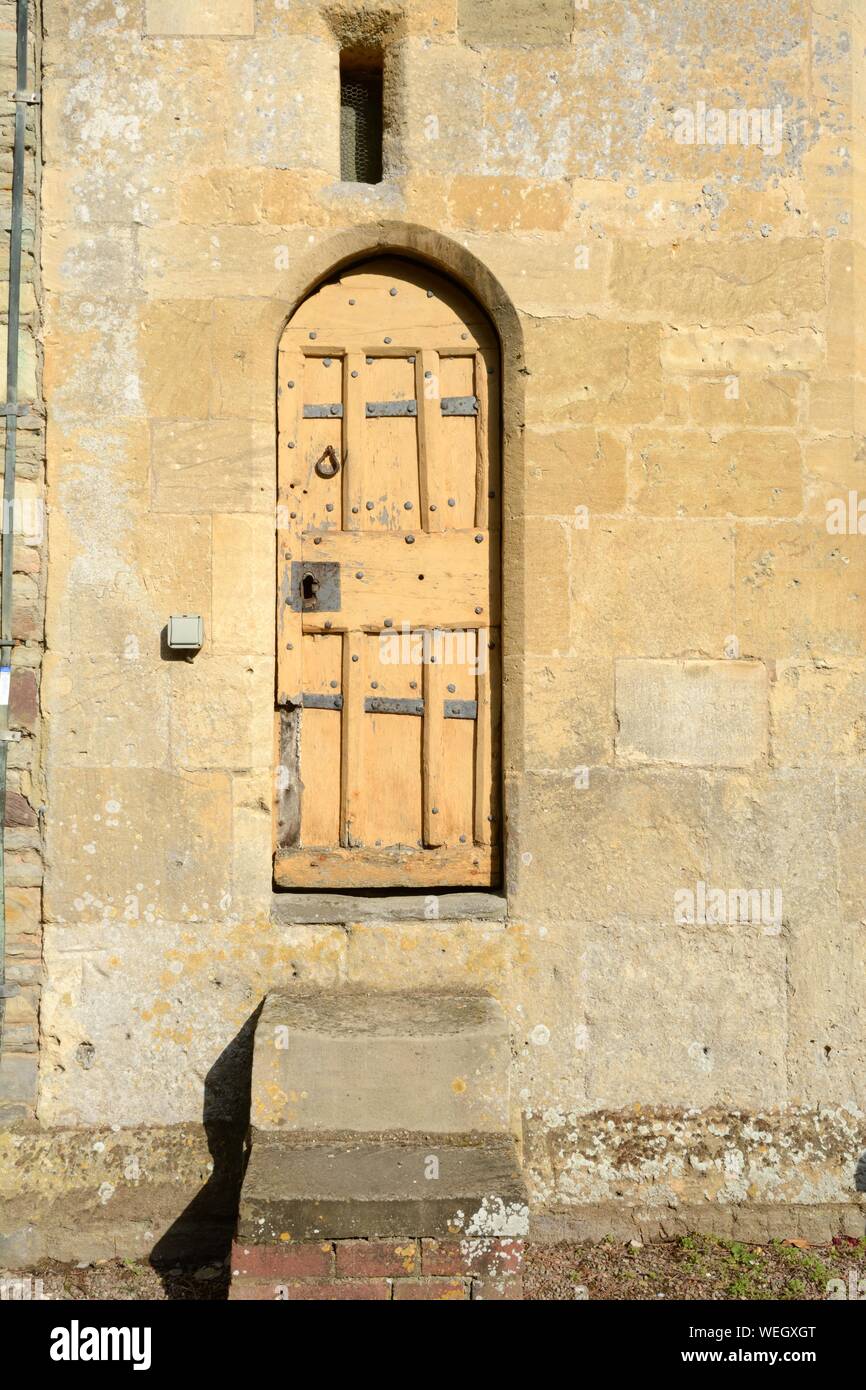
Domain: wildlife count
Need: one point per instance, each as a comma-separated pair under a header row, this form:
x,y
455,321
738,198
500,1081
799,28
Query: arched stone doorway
x,y
388,669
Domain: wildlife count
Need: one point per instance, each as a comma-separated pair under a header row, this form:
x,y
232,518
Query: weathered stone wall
x,y
685,643
25,789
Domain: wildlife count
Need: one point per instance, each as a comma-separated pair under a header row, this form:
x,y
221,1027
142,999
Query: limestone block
x,y
567,712
846,287
495,22
106,711
168,1013
108,458
852,853
574,468
547,277
223,195
546,602
221,716
213,466
94,193
617,848
534,104
694,473
547,1002
125,581
26,607
228,17
243,584
145,110
372,1061
509,204
775,831
782,349
92,368
827,1020
245,334
587,370
18,1079
800,592
286,89
252,844
101,260
745,400
833,467
176,366
695,713
439,955
366,1186
441,125
817,714
206,263
836,404
720,284
652,588
27,365
296,197
23,918
653,1042
138,845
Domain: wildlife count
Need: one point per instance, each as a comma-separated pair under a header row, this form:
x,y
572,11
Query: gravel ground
x,y
696,1266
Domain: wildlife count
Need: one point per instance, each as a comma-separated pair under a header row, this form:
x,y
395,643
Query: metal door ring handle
x,y
328,456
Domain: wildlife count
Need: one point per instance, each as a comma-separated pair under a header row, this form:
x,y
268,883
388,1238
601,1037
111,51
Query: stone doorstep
x,y
362,1061
316,1188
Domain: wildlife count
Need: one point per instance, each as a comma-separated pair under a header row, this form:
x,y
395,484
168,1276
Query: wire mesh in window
x,y
361,126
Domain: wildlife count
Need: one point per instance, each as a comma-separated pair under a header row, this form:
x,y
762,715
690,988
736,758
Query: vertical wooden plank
x,y
320,742
427,396
289,528
433,770
352,733
483,742
353,435
288,780
486,437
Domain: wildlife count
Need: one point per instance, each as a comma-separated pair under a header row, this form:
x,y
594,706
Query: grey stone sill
x,y
339,908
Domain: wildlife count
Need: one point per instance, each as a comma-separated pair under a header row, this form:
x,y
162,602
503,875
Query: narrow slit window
x,y
360,120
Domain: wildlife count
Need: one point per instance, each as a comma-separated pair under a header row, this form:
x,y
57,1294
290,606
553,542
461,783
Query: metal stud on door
x,y
388,624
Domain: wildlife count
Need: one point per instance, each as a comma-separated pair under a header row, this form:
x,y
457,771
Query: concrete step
x,y
339,1187
368,1062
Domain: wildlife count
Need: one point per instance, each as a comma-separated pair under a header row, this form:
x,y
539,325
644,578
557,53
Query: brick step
x,y
403,1270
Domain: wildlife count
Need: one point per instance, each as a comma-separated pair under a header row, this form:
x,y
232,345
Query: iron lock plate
x,y
315,586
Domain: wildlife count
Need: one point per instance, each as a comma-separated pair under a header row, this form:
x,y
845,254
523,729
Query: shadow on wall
x,y
203,1232
860,1174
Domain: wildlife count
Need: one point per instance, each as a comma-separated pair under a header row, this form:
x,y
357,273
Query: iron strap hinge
x,y
459,405
31,98
449,405
378,408
321,701
385,704
382,704
453,709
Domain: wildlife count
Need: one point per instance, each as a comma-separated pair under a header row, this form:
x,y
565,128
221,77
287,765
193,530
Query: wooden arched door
x,y
389,586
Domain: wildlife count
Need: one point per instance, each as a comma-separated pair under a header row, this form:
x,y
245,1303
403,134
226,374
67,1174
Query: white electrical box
x,y
185,632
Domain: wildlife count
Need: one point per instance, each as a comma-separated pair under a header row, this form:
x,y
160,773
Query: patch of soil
x,y
695,1266
130,1280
